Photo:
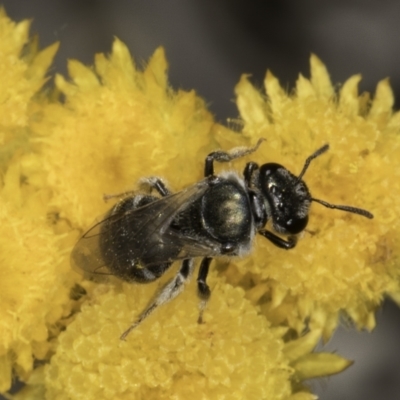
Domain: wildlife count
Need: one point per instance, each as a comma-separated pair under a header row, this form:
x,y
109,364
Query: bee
x,y
144,234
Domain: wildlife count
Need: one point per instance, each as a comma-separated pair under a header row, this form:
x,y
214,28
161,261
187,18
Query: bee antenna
x,y
320,151
350,209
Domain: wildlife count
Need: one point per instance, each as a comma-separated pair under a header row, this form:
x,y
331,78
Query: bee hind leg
x,y
154,182
151,182
166,294
144,275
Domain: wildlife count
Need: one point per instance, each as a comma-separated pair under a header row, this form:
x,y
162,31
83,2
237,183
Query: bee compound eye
x,y
295,225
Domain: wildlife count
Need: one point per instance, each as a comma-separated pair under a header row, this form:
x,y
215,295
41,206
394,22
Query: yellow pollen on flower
x,y
118,123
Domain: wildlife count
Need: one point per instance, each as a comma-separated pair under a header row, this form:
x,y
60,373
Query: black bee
x,y
143,234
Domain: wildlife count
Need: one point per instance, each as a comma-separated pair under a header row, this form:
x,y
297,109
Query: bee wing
x,y
150,227
191,247
86,255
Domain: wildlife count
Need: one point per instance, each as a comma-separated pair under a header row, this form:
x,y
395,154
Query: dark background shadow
x,y
209,44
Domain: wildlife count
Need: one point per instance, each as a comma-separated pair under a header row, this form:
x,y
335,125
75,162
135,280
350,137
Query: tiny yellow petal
x,y
41,62
276,95
320,77
279,292
155,75
250,102
381,107
121,57
64,86
303,396
296,349
348,100
304,88
82,76
317,365
394,122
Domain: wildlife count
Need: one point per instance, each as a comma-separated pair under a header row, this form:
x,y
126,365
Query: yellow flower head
x,y
234,352
344,262
32,296
111,124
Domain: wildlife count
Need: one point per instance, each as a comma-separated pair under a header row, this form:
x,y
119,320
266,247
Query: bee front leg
x,y
287,244
248,172
203,290
226,156
166,294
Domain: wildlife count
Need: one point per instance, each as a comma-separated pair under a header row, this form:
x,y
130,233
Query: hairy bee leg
x,y
248,172
107,197
154,182
203,290
145,275
226,156
166,294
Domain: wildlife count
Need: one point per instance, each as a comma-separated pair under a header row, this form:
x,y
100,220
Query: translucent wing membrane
x,y
140,235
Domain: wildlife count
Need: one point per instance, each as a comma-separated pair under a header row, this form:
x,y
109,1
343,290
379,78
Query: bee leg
x,y
278,241
226,156
203,290
145,275
107,197
248,172
154,182
166,294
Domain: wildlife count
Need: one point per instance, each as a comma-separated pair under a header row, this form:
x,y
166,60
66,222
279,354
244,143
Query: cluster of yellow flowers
x,y
108,125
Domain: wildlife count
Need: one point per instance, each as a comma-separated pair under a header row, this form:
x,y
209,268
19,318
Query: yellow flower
x,y
343,263
32,296
233,353
117,124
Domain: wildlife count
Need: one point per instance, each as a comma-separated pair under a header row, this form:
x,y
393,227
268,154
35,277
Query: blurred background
x,y
209,44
